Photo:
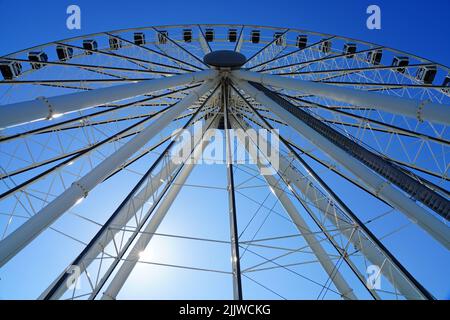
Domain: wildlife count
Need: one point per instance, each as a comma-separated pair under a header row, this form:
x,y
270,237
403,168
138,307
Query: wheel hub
x,y
225,59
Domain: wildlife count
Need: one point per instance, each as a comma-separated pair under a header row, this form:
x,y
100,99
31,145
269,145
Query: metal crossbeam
x,y
292,176
165,55
23,235
140,62
290,54
420,110
47,108
122,214
299,64
235,257
385,168
380,186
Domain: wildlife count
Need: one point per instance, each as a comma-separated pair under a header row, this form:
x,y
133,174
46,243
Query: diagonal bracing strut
x,y
235,257
367,243
380,186
23,235
133,202
146,236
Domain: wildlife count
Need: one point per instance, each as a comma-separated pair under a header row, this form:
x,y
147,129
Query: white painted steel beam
x,y
337,218
397,199
133,256
203,43
303,228
419,109
51,107
362,244
29,230
122,218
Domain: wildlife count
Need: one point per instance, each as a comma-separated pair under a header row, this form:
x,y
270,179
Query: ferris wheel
x,y
348,198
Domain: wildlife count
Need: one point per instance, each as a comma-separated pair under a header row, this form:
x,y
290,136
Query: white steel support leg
x,y
133,256
377,184
121,220
124,248
23,235
50,107
362,244
420,110
303,228
336,216
234,236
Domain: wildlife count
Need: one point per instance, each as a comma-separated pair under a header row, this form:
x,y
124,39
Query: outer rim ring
x,y
447,68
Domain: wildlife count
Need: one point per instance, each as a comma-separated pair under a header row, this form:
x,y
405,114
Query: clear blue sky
x,y
419,27
415,26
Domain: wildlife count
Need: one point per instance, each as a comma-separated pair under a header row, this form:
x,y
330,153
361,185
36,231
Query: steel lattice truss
x,y
364,150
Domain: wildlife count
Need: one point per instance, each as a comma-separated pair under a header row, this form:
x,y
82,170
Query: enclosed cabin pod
x,y
446,83
90,45
232,35
279,39
255,36
114,43
64,53
162,36
139,38
302,41
209,35
37,56
10,69
187,35
374,56
325,46
400,62
349,50
426,74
